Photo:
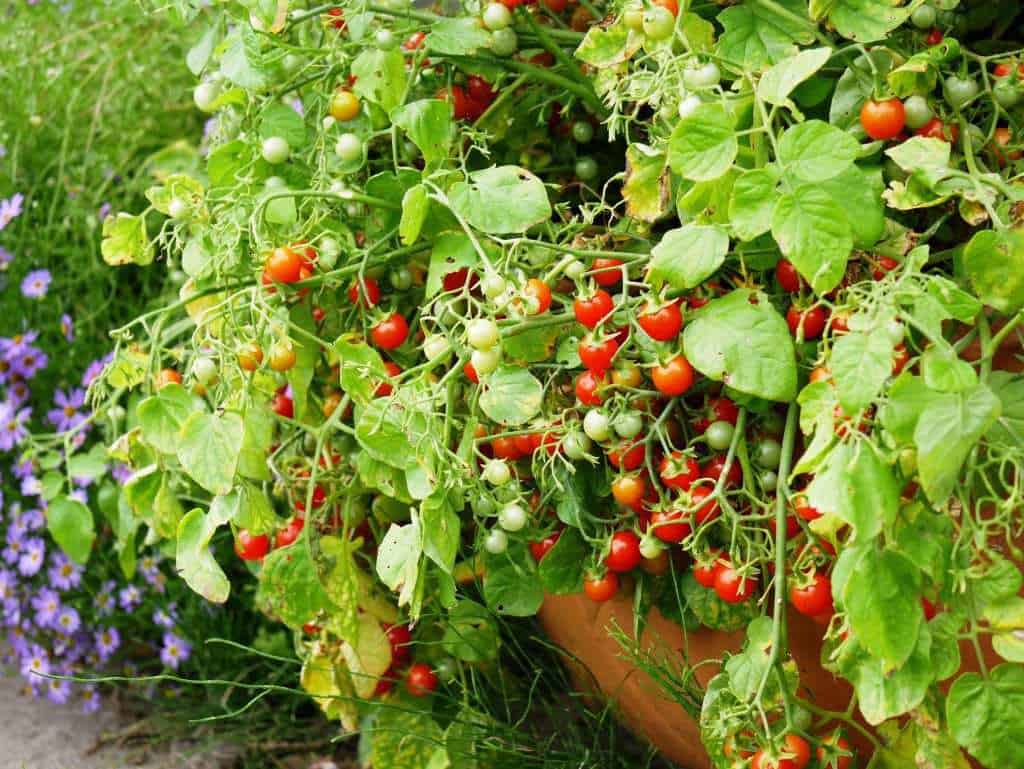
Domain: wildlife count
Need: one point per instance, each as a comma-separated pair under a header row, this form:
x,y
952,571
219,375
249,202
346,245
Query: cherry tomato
x,y
709,510
367,296
883,266
285,265
289,532
527,444
587,385
936,129
282,357
597,355
934,37
670,525
541,548
390,332
678,471
601,589
788,277
628,490
250,356
470,373
795,754
731,587
480,90
929,609
385,388
462,105
400,639
1003,137
819,374
627,374
344,105
713,469
506,448
603,272
420,680
674,377
835,752
812,320
705,569
282,405
662,323
251,547
803,508
627,456
457,279
882,119
591,310
624,552
814,598
414,41
539,291
670,5
166,376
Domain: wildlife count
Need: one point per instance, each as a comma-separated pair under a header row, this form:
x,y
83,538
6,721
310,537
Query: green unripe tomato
x,y
1006,92
597,425
923,17
586,169
400,279
628,424
688,106
497,472
658,23
917,111
582,131
634,18
482,333
769,480
959,90
435,346
349,147
447,669
328,251
719,435
205,95
493,285
275,150
575,445
512,517
651,547
504,42
497,16
496,542
575,269
705,76
486,361
204,369
769,452
177,208
275,183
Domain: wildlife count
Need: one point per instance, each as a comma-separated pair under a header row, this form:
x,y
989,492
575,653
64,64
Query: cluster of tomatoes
x,y
793,752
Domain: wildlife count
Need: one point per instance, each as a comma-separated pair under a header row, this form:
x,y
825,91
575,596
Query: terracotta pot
x,y
579,626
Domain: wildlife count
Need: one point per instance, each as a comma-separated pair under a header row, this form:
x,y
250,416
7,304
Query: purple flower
x,y
32,519
298,107
95,368
121,472
23,469
10,208
11,612
58,692
108,641
36,662
90,699
163,619
6,257
68,621
130,597
104,600
15,544
67,327
104,211
18,392
64,574
12,347
29,363
8,584
36,284
47,606
12,425
31,487
67,415
32,557
175,651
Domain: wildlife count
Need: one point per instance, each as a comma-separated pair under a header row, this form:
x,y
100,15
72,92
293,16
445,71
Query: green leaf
x,y
441,529
402,738
945,371
511,585
161,416
386,429
855,86
193,560
813,232
859,192
459,36
647,186
451,251
687,256
954,300
711,610
1009,428
208,449
883,693
921,152
748,668
994,264
398,559
883,604
752,202
861,20
415,205
948,428
578,492
778,81
861,362
180,186
289,588
511,395
199,54
380,77
501,200
242,61
362,368
814,151
281,120
984,715
470,633
858,487
428,122
741,340
703,145
256,440
71,525
90,465
125,241
307,353
561,569
757,35
604,47
908,398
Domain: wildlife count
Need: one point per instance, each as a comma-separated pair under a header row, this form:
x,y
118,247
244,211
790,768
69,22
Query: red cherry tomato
x,y
480,90
704,570
731,587
678,471
368,296
385,388
628,490
883,267
593,309
709,510
282,405
627,456
470,373
814,598
390,332
671,526
540,292
285,265
674,377
795,754
400,639
788,277
556,6
540,548
597,355
812,320
624,552
251,547
587,385
166,376
929,609
420,680
527,444
414,41
463,106
835,752
662,323
670,5
883,119
603,272
601,589
506,448
289,532
936,129
456,279
713,469
934,36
